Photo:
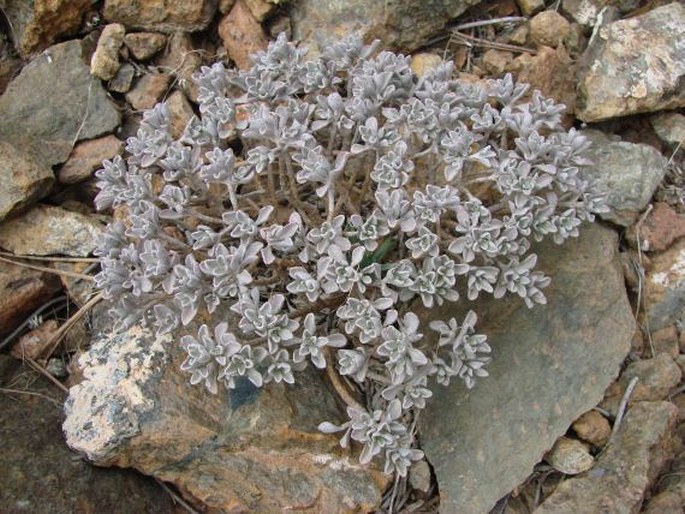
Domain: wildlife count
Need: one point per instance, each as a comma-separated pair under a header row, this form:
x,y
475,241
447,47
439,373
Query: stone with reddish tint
x,y
144,45
48,230
549,28
39,23
242,35
625,471
665,341
248,450
659,230
148,91
87,157
664,287
593,428
22,291
161,15
36,342
181,59
180,112
23,180
260,9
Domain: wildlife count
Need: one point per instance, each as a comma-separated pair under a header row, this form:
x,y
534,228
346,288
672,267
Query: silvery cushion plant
x,y
321,201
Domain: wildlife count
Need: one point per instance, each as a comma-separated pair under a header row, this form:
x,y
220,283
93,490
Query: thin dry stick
x,y
176,497
33,315
49,259
622,407
641,273
46,374
494,21
472,40
62,331
30,393
48,270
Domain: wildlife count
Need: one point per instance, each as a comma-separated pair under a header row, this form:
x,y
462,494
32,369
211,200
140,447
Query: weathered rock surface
x,y
593,428
629,172
148,91
23,181
47,230
253,450
162,15
670,127
659,229
39,472
549,28
656,377
121,83
550,365
55,102
144,45
530,7
180,112
181,59
570,456
105,61
671,490
635,65
665,287
22,291
87,157
39,23
242,35
400,25
625,471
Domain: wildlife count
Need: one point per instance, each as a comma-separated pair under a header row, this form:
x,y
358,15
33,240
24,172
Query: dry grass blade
x,y
40,369
476,41
30,393
27,321
48,270
622,408
61,332
49,259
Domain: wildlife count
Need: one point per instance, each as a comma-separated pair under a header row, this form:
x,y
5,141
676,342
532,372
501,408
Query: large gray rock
x,y
399,24
55,102
625,471
634,65
253,450
47,230
630,173
550,365
22,180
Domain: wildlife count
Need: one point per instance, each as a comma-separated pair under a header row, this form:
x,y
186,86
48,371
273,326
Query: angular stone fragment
x,y
659,229
144,45
570,456
180,112
181,59
23,181
39,23
670,127
87,157
148,91
400,25
55,102
161,15
593,428
550,364
253,450
46,230
22,291
629,172
635,65
423,63
623,474
121,83
530,7
105,61
260,9
549,28
665,287
242,35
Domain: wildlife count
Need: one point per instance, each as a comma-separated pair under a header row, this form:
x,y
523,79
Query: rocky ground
x,y
584,410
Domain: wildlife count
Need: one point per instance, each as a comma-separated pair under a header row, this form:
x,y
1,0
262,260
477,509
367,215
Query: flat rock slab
x,y
40,474
634,65
550,365
47,230
253,450
400,25
623,474
55,102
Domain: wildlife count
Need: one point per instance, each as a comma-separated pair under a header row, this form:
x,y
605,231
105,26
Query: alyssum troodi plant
x,y
320,200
